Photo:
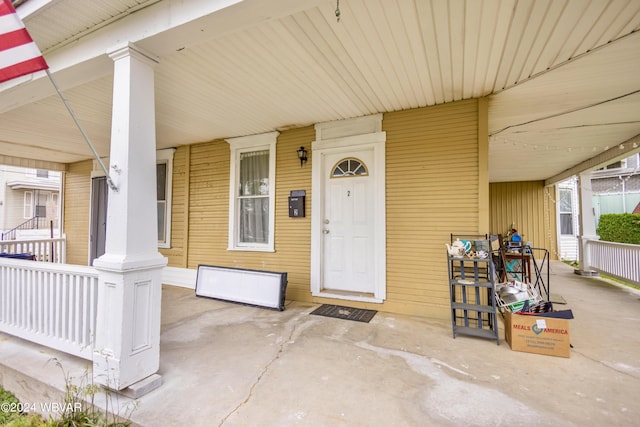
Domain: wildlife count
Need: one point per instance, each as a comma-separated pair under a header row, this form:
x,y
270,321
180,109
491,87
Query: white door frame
x,y
346,137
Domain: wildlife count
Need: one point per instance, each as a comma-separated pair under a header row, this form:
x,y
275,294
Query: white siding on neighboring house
x,y
26,193
568,221
616,188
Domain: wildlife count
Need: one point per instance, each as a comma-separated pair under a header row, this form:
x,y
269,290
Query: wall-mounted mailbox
x,y
296,203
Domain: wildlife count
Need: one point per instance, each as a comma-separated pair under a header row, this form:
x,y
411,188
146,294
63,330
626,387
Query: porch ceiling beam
x,y
613,154
32,164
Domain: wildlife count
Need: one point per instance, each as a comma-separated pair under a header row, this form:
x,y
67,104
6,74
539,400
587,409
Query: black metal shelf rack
x,y
472,292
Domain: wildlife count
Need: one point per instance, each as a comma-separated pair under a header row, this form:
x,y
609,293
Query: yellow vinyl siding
x,y
77,203
528,206
483,164
208,212
293,235
432,191
209,205
177,253
437,184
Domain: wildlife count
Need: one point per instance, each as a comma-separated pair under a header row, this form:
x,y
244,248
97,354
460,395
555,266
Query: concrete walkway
x,y
224,364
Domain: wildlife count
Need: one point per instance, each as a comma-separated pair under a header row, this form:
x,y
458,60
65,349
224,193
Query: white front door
x,y
348,222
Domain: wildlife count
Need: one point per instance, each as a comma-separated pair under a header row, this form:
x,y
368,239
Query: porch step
x,y
36,376
29,371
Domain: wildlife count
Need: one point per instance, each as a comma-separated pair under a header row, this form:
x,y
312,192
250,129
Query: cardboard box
x,y
537,334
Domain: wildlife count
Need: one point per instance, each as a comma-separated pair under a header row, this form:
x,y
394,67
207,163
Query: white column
x,y
587,223
128,319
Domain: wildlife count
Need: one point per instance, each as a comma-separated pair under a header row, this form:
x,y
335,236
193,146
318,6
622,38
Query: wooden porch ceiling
x,y
561,76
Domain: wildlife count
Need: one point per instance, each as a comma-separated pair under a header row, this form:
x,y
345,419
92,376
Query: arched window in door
x,y
349,167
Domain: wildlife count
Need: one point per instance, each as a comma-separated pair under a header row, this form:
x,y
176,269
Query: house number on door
x,y
348,193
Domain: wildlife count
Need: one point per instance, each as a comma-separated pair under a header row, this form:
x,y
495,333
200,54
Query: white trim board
x,y
346,136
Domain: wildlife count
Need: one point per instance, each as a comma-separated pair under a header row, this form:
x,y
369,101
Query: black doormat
x,y
347,313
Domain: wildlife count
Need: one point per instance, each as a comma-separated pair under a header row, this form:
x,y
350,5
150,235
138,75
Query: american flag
x,y
19,55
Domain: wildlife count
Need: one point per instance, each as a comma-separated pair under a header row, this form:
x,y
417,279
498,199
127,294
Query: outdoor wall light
x,y
302,155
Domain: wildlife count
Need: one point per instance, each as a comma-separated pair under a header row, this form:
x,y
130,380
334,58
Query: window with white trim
x,y
28,205
349,167
41,201
565,207
164,174
252,192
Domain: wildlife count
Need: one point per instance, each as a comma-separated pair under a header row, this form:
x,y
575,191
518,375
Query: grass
x,y
573,264
10,415
622,282
604,276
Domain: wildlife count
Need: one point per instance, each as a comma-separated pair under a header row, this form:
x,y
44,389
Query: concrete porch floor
x,y
225,364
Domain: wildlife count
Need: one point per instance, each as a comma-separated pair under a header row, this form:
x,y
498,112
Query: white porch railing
x,y
46,250
50,304
619,260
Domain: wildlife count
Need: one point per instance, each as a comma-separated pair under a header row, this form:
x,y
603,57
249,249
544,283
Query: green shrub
x,y
621,228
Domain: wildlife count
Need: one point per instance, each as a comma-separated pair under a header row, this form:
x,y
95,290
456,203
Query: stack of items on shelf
x,y
468,248
515,296
471,287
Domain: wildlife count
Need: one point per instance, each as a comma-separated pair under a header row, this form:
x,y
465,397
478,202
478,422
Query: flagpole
x,y
84,134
